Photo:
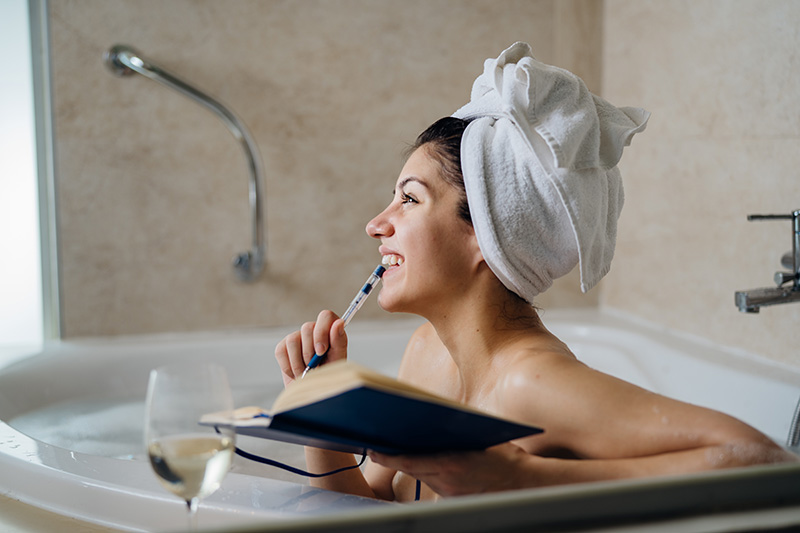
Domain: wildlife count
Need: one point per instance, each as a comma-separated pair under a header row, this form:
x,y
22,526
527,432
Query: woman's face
x,y
429,251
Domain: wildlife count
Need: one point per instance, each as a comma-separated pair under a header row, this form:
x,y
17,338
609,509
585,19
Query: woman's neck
x,y
478,329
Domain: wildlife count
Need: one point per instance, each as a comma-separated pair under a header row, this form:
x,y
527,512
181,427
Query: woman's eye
x,y
406,199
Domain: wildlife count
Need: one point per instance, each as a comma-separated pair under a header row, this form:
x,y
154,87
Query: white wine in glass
x,y
189,459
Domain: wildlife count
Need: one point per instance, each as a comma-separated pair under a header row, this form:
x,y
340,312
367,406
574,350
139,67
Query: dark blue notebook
x,y
346,407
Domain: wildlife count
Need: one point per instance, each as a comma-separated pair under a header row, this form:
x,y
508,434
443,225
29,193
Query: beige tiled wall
x,y
152,189
722,81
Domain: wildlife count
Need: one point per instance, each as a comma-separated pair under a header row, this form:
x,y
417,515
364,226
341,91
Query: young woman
x,y
484,344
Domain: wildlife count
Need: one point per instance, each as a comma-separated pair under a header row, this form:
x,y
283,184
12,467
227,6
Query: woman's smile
x,y
392,260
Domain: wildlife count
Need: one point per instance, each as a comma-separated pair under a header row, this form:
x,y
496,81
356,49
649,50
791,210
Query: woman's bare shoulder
x,y
535,374
424,334
593,414
545,384
426,361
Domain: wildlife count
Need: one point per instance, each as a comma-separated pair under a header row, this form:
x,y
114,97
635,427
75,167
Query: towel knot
x,y
581,130
539,161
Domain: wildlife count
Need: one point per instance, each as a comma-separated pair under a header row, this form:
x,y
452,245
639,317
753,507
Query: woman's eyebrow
x,y
406,181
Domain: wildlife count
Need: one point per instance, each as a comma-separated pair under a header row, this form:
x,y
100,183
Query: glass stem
x,y
191,506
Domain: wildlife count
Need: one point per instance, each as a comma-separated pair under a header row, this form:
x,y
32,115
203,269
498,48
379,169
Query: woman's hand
x,y
459,473
295,350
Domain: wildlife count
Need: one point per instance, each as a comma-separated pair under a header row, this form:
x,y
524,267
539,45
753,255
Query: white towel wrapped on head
x,y
539,162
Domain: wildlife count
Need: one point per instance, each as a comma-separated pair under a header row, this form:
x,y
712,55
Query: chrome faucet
x,y
788,283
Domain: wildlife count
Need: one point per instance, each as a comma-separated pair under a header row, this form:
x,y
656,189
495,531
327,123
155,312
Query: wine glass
x,y
189,459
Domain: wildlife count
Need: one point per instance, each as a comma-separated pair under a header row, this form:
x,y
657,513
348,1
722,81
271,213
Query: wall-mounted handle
x,y
123,60
784,277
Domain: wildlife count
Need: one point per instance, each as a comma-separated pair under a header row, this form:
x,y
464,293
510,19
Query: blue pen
x,y
354,306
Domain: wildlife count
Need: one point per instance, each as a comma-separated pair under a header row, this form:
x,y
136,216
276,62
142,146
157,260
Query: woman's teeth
x,y
392,260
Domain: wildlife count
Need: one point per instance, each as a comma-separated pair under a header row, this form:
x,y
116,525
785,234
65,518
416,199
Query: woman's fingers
x,y
324,337
329,337
289,355
307,339
338,346
322,331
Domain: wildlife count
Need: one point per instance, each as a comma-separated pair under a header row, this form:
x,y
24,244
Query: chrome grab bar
x,y
124,60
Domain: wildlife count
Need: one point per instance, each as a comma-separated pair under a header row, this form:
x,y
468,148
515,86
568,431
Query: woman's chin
x,y
385,302
390,303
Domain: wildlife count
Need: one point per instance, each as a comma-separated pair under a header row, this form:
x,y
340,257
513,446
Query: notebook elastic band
x,y
292,469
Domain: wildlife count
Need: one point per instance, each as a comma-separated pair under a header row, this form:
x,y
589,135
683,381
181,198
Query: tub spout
x,y
788,283
123,61
752,300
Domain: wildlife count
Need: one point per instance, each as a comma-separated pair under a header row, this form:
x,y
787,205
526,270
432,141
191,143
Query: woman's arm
x,y
350,481
608,428
508,466
592,415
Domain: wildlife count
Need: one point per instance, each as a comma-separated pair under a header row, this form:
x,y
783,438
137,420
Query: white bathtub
x,y
71,424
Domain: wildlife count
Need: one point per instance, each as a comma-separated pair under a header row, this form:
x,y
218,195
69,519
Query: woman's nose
x,y
379,226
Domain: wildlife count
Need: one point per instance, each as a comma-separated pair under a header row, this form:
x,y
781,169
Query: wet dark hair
x,y
442,139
